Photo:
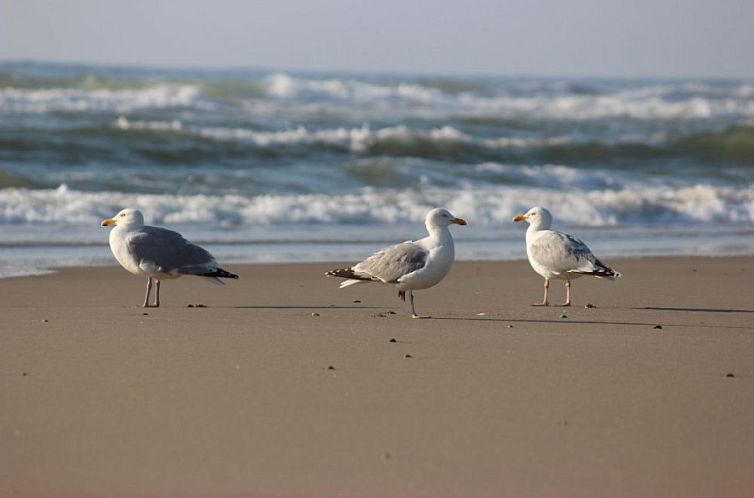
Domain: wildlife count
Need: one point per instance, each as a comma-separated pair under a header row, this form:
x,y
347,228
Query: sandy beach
x,y
281,385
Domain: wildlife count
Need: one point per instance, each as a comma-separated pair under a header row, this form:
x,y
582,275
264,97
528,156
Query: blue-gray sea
x,y
278,166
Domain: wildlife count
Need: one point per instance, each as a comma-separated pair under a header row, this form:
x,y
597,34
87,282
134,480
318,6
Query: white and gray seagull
x,y
158,253
558,255
410,265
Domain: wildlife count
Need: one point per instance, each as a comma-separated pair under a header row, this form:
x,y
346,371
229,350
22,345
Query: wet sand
x,y
282,385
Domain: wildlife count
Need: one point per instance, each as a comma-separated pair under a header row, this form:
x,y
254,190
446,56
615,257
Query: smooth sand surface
x,y
492,398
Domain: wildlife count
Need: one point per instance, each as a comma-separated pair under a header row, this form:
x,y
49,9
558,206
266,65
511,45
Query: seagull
x,y
558,255
158,253
410,265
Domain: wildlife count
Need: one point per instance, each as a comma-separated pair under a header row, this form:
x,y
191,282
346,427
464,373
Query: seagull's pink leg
x,y
157,293
568,294
149,290
413,310
544,301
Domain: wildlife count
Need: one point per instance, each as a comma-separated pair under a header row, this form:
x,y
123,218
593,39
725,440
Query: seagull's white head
x,y
440,217
537,217
128,218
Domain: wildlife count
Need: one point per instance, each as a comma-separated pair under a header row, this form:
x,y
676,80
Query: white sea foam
x,y
695,204
642,221
661,101
282,85
123,123
591,107
357,139
158,96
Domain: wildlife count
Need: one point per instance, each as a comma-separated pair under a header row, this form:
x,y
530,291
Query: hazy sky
x,y
656,38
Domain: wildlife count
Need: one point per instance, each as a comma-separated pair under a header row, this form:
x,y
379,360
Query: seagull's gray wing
x,y
562,253
390,264
169,251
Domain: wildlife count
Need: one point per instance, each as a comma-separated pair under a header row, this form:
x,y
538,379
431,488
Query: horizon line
x,y
372,72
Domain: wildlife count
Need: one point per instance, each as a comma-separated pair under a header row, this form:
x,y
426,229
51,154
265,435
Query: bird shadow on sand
x,y
302,307
701,310
590,322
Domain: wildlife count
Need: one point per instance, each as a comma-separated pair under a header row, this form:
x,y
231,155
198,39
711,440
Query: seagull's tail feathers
x,y
600,271
352,277
604,271
607,273
213,275
220,273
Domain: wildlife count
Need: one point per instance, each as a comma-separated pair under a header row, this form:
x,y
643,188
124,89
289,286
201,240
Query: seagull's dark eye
x,y
122,215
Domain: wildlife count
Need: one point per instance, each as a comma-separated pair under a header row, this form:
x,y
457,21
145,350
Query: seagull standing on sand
x,y
411,265
558,255
158,253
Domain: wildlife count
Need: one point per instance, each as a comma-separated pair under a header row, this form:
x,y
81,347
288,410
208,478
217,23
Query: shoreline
x,y
492,397
610,243
339,263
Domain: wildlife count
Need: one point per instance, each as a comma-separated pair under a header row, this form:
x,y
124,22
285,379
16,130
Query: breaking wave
x,y
439,98
489,206
177,141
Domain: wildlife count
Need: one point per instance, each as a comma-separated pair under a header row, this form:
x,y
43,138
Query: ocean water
x,y
265,166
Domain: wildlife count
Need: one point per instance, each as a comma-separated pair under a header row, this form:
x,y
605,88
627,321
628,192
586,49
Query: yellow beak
x,y
108,222
519,217
459,221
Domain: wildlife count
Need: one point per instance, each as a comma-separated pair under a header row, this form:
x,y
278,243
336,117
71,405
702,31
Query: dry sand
x,y
101,398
